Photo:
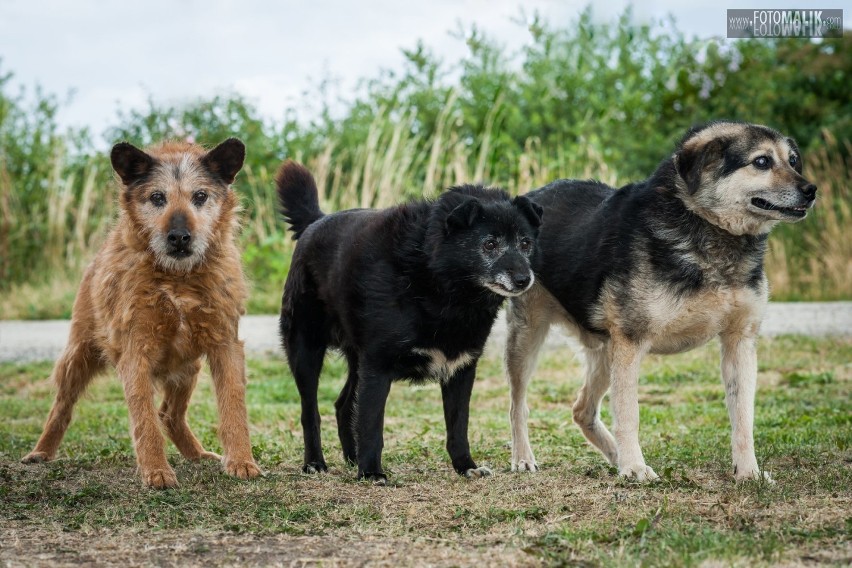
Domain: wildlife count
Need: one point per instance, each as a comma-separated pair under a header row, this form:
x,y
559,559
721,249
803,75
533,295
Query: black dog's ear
x,y
226,159
464,214
532,211
691,162
130,163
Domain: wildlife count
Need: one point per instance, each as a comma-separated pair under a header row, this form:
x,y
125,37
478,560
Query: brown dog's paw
x,y
159,478
243,469
208,456
36,457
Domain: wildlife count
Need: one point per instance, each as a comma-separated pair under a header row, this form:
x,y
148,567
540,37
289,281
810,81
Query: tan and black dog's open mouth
x,y
767,206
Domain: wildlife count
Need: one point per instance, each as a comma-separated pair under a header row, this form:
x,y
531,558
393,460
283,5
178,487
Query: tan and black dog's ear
x,y
532,211
464,214
130,163
691,162
226,159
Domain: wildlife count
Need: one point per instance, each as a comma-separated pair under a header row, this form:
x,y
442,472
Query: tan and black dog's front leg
x,y
739,374
625,359
135,374
227,365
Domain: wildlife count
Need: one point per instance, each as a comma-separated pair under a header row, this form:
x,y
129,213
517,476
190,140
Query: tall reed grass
x,y
811,260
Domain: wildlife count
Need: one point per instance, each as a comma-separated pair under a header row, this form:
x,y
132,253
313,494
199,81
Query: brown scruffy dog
x,y
166,288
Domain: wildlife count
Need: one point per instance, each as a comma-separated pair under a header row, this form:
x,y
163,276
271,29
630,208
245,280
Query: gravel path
x,y
44,340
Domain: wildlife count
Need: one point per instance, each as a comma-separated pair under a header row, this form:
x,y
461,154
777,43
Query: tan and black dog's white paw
x,y
753,475
638,472
476,473
525,465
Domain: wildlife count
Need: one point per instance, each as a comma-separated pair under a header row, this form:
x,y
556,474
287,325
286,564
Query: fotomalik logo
x,y
807,23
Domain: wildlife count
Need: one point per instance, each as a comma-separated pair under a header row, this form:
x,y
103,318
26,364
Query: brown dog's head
x,y
178,197
742,177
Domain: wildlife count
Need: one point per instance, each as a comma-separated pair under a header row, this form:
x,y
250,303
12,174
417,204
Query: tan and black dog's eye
x,y
526,245
158,198
762,162
794,159
490,245
198,198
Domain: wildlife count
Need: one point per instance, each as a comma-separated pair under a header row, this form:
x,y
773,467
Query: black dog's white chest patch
x,y
439,366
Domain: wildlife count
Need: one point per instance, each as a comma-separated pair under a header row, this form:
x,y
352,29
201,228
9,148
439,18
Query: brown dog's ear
x,y
464,214
130,163
690,163
532,211
226,159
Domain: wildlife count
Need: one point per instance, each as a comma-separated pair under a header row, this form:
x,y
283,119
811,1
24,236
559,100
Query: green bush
x,y
602,100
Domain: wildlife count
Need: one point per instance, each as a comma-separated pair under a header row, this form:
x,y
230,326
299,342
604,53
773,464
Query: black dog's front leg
x,y
456,394
373,389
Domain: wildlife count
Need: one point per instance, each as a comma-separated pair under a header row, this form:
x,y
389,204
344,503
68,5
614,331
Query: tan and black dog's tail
x,y
297,192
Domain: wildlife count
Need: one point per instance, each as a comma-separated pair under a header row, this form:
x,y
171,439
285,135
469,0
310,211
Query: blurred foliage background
x,y
605,101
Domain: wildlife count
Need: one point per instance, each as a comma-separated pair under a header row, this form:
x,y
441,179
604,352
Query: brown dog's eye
x,y
198,198
490,245
794,159
762,163
158,198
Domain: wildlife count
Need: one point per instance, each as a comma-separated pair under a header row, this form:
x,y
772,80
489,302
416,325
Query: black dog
x,y
408,292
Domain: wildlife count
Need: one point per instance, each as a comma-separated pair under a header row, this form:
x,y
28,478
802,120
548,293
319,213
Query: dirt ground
x,y
22,546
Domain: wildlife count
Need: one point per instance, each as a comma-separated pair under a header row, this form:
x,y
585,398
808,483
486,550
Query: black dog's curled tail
x,y
297,192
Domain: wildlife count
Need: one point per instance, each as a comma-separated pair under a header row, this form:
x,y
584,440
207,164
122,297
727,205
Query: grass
x,y
90,506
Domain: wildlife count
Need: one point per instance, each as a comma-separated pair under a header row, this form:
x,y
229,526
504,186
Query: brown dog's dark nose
x,y
179,237
808,190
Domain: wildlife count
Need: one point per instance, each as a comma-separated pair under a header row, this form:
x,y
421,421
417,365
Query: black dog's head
x,y
483,237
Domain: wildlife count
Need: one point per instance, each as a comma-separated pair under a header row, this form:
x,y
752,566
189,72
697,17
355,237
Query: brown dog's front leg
x,y
135,374
227,365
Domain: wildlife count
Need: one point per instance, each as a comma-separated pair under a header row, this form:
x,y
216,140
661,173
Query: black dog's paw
x,y
376,478
315,467
478,472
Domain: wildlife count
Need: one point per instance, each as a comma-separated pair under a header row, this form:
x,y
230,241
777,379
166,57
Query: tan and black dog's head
x,y
178,198
742,177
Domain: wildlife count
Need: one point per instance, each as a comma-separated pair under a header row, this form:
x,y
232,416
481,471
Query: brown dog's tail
x,y
297,192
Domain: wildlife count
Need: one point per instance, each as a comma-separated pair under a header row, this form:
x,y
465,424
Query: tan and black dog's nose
x,y
808,190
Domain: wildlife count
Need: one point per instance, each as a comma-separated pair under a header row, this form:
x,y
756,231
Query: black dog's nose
x,y
521,279
179,237
808,190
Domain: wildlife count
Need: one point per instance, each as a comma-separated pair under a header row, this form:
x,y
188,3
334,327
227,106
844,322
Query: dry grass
x,y
89,505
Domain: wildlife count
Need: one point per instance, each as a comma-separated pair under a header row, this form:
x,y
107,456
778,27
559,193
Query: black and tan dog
x,y
409,292
659,266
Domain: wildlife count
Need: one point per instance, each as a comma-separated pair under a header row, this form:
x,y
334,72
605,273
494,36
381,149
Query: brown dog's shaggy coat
x,y
165,289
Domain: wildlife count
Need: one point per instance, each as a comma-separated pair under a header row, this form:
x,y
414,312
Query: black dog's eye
x,y
762,162
198,198
158,198
526,245
794,159
490,245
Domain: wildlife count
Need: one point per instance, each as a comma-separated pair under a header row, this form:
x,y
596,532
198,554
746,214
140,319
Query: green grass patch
x,y
574,511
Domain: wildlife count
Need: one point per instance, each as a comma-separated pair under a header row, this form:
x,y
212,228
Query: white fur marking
x,y
441,367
